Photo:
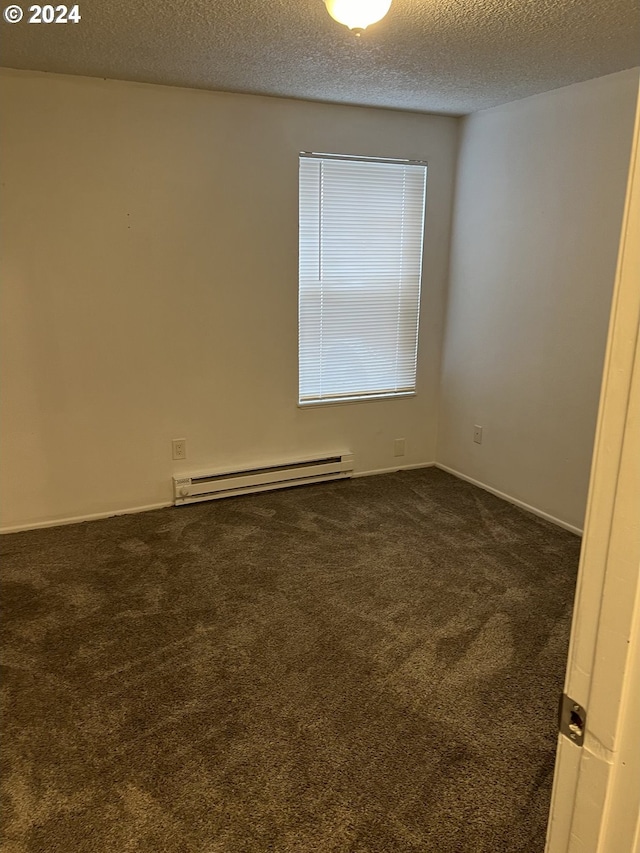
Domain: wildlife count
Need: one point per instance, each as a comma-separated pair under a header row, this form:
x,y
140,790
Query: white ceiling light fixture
x,y
357,14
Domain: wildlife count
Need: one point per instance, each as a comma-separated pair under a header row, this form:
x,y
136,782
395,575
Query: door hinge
x,y
572,719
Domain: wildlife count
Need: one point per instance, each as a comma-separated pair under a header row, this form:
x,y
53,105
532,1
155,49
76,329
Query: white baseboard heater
x,y
207,487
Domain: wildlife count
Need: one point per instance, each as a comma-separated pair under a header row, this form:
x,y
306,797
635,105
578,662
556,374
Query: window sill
x,y
341,401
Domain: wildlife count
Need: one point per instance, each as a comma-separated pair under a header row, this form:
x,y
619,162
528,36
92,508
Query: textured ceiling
x,y
447,56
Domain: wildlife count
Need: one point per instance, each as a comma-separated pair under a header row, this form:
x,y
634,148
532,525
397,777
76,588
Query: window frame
x,y
364,397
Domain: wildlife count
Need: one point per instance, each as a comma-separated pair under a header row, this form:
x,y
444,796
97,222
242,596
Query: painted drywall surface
x,y
539,198
149,288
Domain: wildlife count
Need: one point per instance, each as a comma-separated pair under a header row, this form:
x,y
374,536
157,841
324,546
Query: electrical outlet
x,y
477,434
398,447
179,448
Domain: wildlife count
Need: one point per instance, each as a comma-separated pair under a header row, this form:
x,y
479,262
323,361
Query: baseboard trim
x,y
392,470
78,519
511,499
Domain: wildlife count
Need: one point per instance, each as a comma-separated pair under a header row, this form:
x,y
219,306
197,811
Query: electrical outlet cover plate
x,y
179,448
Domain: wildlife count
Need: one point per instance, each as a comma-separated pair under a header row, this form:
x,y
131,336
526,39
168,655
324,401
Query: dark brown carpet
x,y
356,667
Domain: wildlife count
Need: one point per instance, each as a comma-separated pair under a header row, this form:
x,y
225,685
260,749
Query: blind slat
x,y
360,265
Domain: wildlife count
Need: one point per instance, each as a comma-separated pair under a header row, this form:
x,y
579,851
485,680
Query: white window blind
x,y
361,234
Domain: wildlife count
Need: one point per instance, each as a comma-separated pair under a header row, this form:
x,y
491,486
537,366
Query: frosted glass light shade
x,y
357,14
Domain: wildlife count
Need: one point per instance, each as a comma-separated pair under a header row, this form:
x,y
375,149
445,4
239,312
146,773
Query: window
x,y
361,229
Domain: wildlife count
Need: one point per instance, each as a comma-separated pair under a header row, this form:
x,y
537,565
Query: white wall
x,y
149,288
539,199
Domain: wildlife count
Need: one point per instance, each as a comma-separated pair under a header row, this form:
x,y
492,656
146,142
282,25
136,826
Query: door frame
x,y
595,802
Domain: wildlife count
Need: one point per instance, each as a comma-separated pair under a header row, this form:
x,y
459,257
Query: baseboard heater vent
x,y
207,487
